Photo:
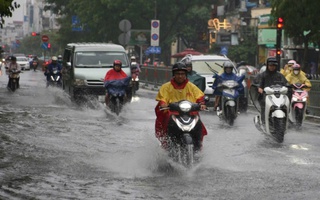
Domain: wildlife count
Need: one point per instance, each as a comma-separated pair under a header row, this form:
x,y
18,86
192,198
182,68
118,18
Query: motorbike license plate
x,y
101,98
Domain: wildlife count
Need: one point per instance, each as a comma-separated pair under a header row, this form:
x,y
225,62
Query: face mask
x,y
296,72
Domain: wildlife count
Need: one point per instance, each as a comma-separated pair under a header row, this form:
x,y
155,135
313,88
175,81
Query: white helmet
x,y
54,58
133,58
292,62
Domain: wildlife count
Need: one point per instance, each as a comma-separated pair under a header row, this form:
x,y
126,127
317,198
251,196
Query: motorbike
x,y
34,65
134,81
13,76
229,101
183,131
55,78
117,94
276,112
298,104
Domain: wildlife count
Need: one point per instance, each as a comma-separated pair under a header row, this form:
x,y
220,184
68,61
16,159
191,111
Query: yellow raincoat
x,y
299,78
170,93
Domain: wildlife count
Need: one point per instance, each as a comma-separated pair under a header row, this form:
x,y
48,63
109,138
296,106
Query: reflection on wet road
x,y
51,148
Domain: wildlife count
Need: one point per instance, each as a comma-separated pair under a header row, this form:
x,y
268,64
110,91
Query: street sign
x,y
124,38
44,45
155,26
45,38
125,25
224,50
153,50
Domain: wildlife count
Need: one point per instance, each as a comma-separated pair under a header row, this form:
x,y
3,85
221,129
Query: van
x,y
85,66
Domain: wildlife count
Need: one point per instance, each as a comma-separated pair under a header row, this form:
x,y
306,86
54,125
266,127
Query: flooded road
x,y
51,148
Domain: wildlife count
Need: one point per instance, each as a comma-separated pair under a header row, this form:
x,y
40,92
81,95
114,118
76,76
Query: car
x,y
23,62
85,66
206,66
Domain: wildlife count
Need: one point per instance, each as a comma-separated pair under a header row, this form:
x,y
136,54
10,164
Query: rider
x,y
13,65
296,76
177,89
114,74
269,77
226,75
195,78
51,67
60,59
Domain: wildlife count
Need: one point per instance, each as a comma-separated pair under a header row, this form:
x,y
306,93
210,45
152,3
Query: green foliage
x,y
300,17
245,51
101,18
6,9
32,45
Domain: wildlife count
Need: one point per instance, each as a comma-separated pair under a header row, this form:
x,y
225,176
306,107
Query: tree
x,y
6,9
301,21
100,19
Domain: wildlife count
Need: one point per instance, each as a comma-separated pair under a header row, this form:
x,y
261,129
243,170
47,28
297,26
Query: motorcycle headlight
x,y
79,82
185,106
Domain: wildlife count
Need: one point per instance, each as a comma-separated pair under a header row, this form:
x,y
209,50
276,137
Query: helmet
x,y
54,58
117,62
133,58
188,63
179,66
291,62
59,56
272,61
227,65
13,58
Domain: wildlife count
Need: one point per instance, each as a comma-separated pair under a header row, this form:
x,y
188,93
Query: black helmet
x,y
272,60
179,66
13,58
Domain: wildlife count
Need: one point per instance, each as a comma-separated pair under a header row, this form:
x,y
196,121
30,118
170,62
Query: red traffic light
x,y
49,45
280,23
278,52
33,33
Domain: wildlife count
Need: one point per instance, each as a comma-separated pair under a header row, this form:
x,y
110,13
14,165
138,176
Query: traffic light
x,y
49,45
35,33
279,23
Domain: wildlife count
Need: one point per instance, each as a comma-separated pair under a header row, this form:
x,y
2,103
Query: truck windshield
x,y
101,59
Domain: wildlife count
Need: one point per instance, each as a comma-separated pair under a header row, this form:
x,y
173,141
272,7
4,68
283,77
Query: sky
x,y
17,15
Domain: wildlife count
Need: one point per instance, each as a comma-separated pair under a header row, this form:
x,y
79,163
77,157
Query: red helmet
x,y
117,62
296,67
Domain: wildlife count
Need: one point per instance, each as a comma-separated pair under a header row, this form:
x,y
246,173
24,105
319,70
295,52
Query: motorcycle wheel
x,y
279,129
133,89
189,155
299,117
230,115
13,85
